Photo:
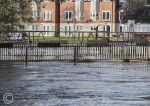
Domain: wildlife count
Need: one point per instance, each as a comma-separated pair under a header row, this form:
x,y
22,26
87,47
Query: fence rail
x,y
73,52
39,36
25,46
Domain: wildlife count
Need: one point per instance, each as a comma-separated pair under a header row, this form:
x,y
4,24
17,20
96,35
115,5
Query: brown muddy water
x,y
62,83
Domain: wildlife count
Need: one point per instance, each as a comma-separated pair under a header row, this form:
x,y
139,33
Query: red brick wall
x,y
86,16
48,6
66,6
108,6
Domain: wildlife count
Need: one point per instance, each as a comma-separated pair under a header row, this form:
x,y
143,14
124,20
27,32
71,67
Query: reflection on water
x,y
84,84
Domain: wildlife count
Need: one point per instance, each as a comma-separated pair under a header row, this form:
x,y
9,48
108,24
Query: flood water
x,y
84,84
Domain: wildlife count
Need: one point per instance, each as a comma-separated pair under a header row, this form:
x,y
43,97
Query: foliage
x,y
14,13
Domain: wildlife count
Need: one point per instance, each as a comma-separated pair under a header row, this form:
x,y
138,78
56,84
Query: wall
x,y
85,21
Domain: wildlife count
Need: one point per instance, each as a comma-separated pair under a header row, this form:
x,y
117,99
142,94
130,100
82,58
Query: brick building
x,y
76,15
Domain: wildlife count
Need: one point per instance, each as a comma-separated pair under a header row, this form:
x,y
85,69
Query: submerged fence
x,y
85,46
75,52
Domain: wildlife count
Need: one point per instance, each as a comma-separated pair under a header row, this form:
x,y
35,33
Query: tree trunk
x,y
57,18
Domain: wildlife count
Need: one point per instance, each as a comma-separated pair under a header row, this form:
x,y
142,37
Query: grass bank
x,y
48,38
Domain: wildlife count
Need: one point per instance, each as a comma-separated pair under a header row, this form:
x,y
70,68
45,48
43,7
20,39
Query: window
x,y
47,15
120,15
120,28
68,15
79,14
38,13
94,9
94,14
67,30
106,16
35,10
33,4
34,13
79,28
46,29
35,27
122,1
147,12
79,7
92,28
107,28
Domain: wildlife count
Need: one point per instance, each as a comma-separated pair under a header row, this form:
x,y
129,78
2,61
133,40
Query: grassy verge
x,y
48,38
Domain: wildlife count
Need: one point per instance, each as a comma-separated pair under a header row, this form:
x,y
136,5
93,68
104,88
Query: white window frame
x,y
67,12
67,30
106,11
45,17
35,27
94,11
34,13
120,13
47,28
94,14
79,28
92,27
79,14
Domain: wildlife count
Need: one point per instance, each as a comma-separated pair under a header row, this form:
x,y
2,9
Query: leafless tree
x,y
57,17
132,10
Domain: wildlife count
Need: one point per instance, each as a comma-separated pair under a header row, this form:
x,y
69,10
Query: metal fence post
x,y
76,53
26,58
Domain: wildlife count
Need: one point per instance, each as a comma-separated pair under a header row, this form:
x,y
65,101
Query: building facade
x,y
75,15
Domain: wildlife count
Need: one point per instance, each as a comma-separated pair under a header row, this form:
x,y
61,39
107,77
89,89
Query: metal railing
x,y
85,46
42,36
76,51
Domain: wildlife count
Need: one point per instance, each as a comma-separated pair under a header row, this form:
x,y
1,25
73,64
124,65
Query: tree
x,y
132,10
14,13
57,18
